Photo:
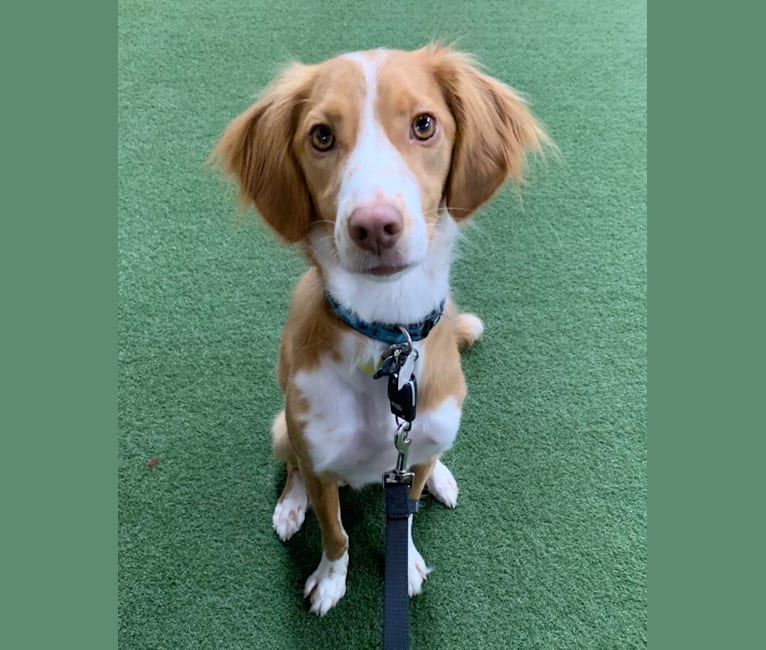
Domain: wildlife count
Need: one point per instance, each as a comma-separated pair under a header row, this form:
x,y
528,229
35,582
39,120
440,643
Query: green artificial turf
x,y
547,548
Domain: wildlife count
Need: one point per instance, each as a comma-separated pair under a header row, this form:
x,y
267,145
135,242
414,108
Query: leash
x,y
398,365
396,614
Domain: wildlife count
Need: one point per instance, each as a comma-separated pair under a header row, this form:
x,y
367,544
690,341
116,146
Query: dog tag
x,y
407,369
403,400
396,356
390,364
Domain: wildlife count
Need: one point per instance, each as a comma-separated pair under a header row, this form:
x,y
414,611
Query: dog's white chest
x,y
349,428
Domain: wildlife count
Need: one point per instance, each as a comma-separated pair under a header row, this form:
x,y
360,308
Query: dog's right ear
x,y
256,149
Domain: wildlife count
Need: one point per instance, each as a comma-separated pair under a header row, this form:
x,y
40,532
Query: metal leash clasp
x,y
402,443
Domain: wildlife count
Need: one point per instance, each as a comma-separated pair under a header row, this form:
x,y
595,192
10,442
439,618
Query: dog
x,y
369,162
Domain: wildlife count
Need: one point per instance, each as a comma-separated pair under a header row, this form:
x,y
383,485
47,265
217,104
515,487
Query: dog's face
x,y
374,142
359,156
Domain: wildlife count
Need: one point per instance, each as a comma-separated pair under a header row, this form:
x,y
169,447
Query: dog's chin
x,y
388,266
383,270
386,271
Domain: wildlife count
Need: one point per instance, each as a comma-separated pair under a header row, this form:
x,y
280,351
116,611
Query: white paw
x,y
290,512
417,571
442,485
326,586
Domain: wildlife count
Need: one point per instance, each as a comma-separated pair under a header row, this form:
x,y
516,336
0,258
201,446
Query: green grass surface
x,y
547,548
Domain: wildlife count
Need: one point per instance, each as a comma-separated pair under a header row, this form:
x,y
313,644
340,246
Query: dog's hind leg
x,y
290,510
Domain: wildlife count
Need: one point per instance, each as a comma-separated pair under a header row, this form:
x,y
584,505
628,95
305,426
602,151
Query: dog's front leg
x,y
326,586
417,571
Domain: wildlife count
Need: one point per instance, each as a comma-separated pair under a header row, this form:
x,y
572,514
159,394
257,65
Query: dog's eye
x,y
322,138
424,126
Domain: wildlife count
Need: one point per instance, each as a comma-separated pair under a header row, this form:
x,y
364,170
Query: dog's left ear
x,y
494,131
256,149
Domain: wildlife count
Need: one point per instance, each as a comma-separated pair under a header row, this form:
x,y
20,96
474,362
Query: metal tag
x,y
403,400
408,369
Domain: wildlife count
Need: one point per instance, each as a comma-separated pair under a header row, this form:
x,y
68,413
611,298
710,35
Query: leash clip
x,y
402,443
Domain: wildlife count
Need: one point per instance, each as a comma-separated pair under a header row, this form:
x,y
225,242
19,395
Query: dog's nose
x,y
376,227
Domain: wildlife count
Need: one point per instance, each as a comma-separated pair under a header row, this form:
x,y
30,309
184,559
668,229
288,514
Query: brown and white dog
x,y
369,161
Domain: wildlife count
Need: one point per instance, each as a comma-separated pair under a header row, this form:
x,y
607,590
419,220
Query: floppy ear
x,y
494,131
256,149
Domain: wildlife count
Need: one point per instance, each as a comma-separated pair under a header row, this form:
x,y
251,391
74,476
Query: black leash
x,y
398,366
396,614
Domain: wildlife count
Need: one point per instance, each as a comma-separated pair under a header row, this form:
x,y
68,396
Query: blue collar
x,y
386,332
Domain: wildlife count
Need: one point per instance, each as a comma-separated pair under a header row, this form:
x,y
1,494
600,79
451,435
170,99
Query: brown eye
x,y
322,138
424,126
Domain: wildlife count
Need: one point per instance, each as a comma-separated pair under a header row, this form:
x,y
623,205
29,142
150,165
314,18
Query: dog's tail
x,y
469,328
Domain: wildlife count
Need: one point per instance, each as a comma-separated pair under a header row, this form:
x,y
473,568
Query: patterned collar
x,y
386,332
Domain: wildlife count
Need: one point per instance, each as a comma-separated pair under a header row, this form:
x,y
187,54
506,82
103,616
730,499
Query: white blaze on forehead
x,y
375,170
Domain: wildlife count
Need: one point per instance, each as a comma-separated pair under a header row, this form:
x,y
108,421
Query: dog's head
x,y
359,156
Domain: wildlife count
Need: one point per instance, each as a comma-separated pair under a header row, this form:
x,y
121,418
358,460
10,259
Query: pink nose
x,y
376,227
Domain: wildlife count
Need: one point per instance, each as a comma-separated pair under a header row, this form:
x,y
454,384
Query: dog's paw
x,y
417,571
442,485
288,519
327,585
290,511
